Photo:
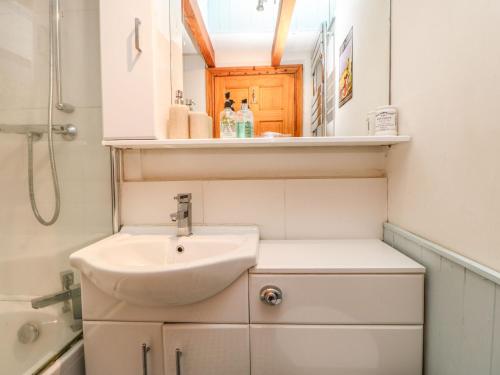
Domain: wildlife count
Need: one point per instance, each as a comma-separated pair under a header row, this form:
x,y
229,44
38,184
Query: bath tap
x,y
183,215
71,292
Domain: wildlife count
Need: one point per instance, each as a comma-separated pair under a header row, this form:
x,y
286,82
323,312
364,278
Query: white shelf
x,y
352,141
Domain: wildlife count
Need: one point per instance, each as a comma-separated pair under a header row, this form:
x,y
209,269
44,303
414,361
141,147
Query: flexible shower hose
x,y
50,142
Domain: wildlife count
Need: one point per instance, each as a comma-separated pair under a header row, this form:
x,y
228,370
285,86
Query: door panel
x,y
273,126
271,98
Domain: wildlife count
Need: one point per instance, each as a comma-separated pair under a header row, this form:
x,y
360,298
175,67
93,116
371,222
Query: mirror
x,y
333,63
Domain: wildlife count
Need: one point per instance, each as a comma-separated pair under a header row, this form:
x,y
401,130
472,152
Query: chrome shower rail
x,y
57,14
69,131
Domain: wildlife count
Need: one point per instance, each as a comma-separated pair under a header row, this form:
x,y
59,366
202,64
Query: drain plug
x,y
28,333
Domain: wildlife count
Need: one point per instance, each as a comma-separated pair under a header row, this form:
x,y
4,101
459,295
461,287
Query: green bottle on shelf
x,y
244,121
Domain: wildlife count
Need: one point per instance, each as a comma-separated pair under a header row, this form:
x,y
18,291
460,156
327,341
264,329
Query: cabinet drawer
x,y
340,299
208,349
336,350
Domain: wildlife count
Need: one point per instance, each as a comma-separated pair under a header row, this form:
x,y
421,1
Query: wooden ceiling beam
x,y
195,26
281,33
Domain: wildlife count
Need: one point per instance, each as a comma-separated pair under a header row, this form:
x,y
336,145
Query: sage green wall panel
x,y
462,308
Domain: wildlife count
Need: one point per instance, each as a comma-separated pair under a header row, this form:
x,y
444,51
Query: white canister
x,y
370,122
178,122
386,121
198,128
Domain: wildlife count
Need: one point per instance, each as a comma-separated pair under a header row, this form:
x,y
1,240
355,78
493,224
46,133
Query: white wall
x,y
254,163
194,81
304,59
445,185
371,22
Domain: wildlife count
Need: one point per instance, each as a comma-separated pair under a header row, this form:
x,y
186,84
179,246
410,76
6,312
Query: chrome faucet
x,y
183,215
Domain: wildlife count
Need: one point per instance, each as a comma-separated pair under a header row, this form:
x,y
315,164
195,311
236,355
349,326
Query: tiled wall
x,y
462,318
27,247
282,208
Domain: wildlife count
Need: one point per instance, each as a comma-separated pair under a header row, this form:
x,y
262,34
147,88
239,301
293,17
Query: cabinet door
x,y
340,299
126,73
207,349
117,348
336,350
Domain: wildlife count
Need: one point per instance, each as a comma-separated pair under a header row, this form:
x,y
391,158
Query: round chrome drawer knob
x,y
271,295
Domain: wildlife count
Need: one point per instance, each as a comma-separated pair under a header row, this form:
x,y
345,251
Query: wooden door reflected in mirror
x,y
274,96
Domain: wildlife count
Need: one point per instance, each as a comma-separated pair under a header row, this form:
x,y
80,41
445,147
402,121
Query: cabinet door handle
x,y
136,34
178,354
145,349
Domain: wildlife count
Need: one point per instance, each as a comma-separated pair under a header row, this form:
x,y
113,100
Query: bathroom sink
x,y
151,266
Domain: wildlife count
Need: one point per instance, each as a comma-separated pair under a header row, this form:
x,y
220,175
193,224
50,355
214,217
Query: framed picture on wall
x,y
345,69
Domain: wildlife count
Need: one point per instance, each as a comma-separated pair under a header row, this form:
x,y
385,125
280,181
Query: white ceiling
x,y
241,35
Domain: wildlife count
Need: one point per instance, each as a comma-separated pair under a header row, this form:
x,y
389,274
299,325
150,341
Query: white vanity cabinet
x,y
347,307
217,343
136,66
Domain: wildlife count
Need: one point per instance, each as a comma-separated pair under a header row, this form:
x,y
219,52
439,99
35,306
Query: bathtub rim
x,y
69,352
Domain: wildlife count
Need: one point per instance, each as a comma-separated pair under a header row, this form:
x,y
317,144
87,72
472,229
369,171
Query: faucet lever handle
x,y
183,197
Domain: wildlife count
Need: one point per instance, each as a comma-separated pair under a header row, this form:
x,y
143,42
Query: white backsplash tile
x,y
259,202
335,208
283,209
153,202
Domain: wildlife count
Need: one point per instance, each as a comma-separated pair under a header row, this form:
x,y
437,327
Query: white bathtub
x,y
24,359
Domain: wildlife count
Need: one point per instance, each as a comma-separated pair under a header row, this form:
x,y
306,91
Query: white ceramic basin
x,y
144,265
